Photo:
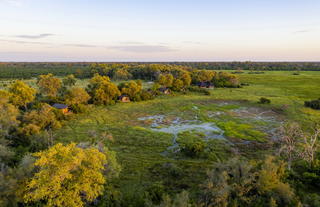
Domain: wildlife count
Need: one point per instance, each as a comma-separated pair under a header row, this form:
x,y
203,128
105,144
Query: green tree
x,y
165,80
242,183
131,88
202,75
49,85
68,176
177,85
69,81
102,90
21,94
77,96
224,79
8,114
37,120
121,74
186,79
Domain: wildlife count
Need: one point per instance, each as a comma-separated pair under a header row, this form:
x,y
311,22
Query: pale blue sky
x,y
159,30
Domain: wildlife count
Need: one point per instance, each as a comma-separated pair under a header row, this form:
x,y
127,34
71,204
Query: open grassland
x,y
248,127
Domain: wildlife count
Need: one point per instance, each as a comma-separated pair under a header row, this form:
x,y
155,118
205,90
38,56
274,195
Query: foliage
x,y
69,81
8,116
202,75
155,192
11,181
177,85
264,100
199,90
49,85
79,108
37,120
76,96
121,74
240,183
165,80
192,144
314,104
21,94
102,90
180,200
132,89
146,95
67,176
224,79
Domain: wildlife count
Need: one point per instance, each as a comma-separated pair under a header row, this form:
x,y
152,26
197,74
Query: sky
x,y
159,30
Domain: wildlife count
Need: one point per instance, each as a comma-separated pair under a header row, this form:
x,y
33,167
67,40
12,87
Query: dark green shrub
x,y
264,101
79,108
314,104
155,192
225,80
199,90
192,144
146,95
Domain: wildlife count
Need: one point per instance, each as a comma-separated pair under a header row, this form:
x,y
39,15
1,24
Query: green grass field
x,y
140,149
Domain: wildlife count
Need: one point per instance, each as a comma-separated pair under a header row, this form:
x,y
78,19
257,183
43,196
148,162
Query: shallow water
x,y
178,126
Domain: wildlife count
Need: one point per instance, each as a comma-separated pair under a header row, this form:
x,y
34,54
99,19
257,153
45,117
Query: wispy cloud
x,y
81,45
191,42
143,48
131,43
301,31
24,42
136,47
39,36
13,2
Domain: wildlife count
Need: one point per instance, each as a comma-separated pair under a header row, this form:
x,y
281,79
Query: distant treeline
x,y
84,69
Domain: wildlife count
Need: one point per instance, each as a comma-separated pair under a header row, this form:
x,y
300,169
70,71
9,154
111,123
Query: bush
x,y
192,144
244,84
145,95
314,104
79,108
225,80
256,72
264,101
155,192
199,90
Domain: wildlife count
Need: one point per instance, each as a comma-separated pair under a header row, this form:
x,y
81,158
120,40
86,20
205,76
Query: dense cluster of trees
x,y
126,71
34,169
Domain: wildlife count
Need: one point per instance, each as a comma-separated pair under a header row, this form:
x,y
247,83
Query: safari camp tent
x,y
64,108
124,98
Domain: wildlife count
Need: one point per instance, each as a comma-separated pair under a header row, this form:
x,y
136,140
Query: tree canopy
x,y
21,94
68,176
49,85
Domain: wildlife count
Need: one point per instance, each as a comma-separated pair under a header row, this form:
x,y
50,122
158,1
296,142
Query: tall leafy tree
x,y
68,176
37,120
69,81
131,88
166,80
102,90
21,94
49,85
77,96
8,114
202,75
